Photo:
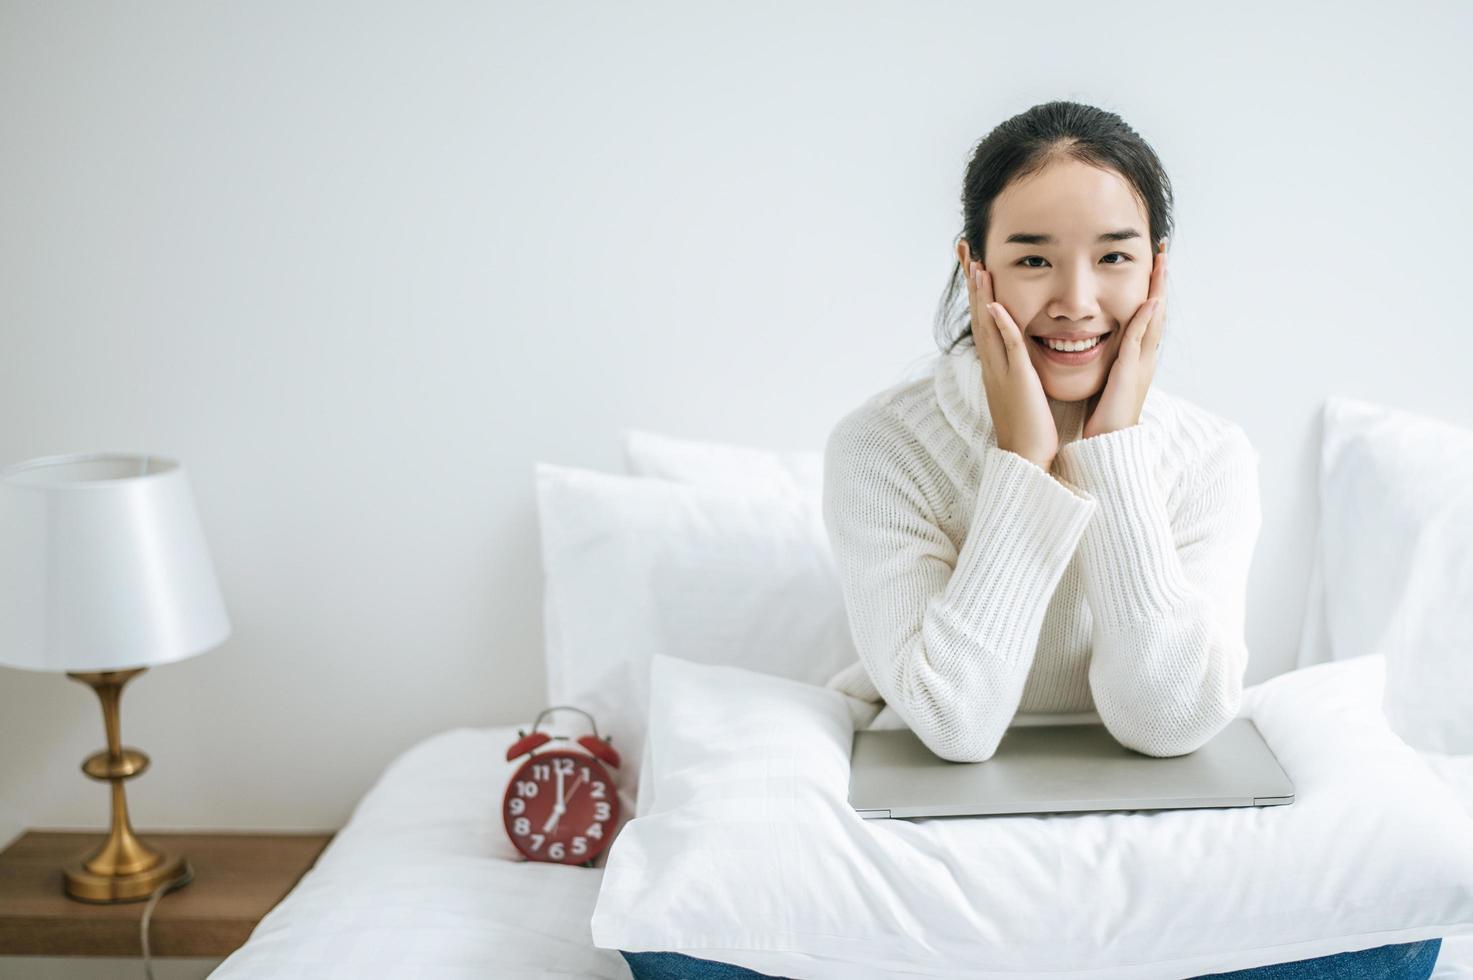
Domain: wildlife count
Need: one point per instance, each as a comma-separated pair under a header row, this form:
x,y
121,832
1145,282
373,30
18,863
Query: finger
x,y
1012,337
1135,333
990,348
1157,289
1156,328
1156,297
1002,320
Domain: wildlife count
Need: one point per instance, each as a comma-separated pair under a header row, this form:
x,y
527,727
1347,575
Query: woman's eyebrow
x,y
1026,238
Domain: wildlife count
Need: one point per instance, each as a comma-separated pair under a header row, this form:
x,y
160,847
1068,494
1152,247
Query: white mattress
x,y
422,882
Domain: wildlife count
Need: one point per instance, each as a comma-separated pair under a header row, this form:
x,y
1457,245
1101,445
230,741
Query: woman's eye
x,y
1124,258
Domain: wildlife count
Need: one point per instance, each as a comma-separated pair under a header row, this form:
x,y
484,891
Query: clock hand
x,y
562,807
559,807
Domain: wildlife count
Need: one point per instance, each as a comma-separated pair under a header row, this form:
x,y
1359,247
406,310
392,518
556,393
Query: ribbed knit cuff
x,y
1025,528
1132,571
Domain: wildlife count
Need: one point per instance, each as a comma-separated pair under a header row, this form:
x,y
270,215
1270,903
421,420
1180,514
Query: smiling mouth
x,y
1103,338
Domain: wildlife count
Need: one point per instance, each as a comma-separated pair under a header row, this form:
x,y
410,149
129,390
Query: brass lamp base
x,y
123,868
90,887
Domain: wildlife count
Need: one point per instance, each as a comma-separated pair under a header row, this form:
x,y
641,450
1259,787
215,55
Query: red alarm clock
x,y
561,805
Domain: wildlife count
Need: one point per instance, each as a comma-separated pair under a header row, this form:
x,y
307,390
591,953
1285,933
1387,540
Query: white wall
x,y
358,265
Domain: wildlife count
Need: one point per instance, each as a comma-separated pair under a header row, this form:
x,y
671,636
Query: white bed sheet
x,y
422,882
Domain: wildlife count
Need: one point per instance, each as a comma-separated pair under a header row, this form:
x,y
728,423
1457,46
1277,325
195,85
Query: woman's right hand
x,y
1015,397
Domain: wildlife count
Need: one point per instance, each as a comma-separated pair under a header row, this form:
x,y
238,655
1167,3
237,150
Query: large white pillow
x,y
1393,572
636,567
725,465
752,854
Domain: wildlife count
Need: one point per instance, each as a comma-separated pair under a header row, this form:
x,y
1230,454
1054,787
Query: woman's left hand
x,y
1118,405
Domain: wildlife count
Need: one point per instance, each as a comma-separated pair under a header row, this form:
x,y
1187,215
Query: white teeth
x,y
1072,345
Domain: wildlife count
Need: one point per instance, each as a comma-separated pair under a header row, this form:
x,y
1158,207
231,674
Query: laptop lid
x,y
1061,769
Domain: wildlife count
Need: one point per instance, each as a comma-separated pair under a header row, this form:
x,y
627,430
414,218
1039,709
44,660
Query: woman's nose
x,y
1075,297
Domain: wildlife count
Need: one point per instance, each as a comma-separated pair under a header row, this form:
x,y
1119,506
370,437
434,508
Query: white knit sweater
x,y
980,586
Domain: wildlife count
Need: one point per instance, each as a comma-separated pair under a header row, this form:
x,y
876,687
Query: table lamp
x,y
104,572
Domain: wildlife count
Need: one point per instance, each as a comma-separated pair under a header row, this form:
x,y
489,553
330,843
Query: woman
x,y
1034,530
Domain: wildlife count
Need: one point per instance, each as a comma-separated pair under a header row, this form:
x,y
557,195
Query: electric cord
x,y
184,878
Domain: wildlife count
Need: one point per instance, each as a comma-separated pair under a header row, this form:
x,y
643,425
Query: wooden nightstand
x,y
238,878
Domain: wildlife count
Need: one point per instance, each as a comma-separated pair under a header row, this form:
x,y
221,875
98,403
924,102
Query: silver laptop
x,y
1061,769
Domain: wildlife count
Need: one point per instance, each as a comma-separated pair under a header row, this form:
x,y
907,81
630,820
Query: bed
x,y
423,882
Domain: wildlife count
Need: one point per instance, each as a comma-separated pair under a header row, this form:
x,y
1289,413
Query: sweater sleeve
x,y
945,635
1166,591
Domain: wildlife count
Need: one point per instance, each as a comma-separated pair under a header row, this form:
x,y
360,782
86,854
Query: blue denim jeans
x,y
1400,961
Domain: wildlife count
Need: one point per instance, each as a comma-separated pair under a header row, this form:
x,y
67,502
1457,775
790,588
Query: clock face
x,y
561,807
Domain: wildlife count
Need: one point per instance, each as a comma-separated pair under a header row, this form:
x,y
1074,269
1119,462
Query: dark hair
x,y
1022,146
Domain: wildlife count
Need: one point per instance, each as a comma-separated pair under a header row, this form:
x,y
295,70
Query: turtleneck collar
x,y
963,401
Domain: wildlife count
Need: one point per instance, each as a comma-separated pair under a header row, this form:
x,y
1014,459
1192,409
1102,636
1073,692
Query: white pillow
x,y
753,856
724,465
746,469
1393,571
636,567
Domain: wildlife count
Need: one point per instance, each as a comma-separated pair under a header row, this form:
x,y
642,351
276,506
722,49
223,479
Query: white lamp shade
x,y
103,565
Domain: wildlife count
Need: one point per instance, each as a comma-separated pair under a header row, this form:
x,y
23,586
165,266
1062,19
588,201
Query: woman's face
x,y
1069,251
